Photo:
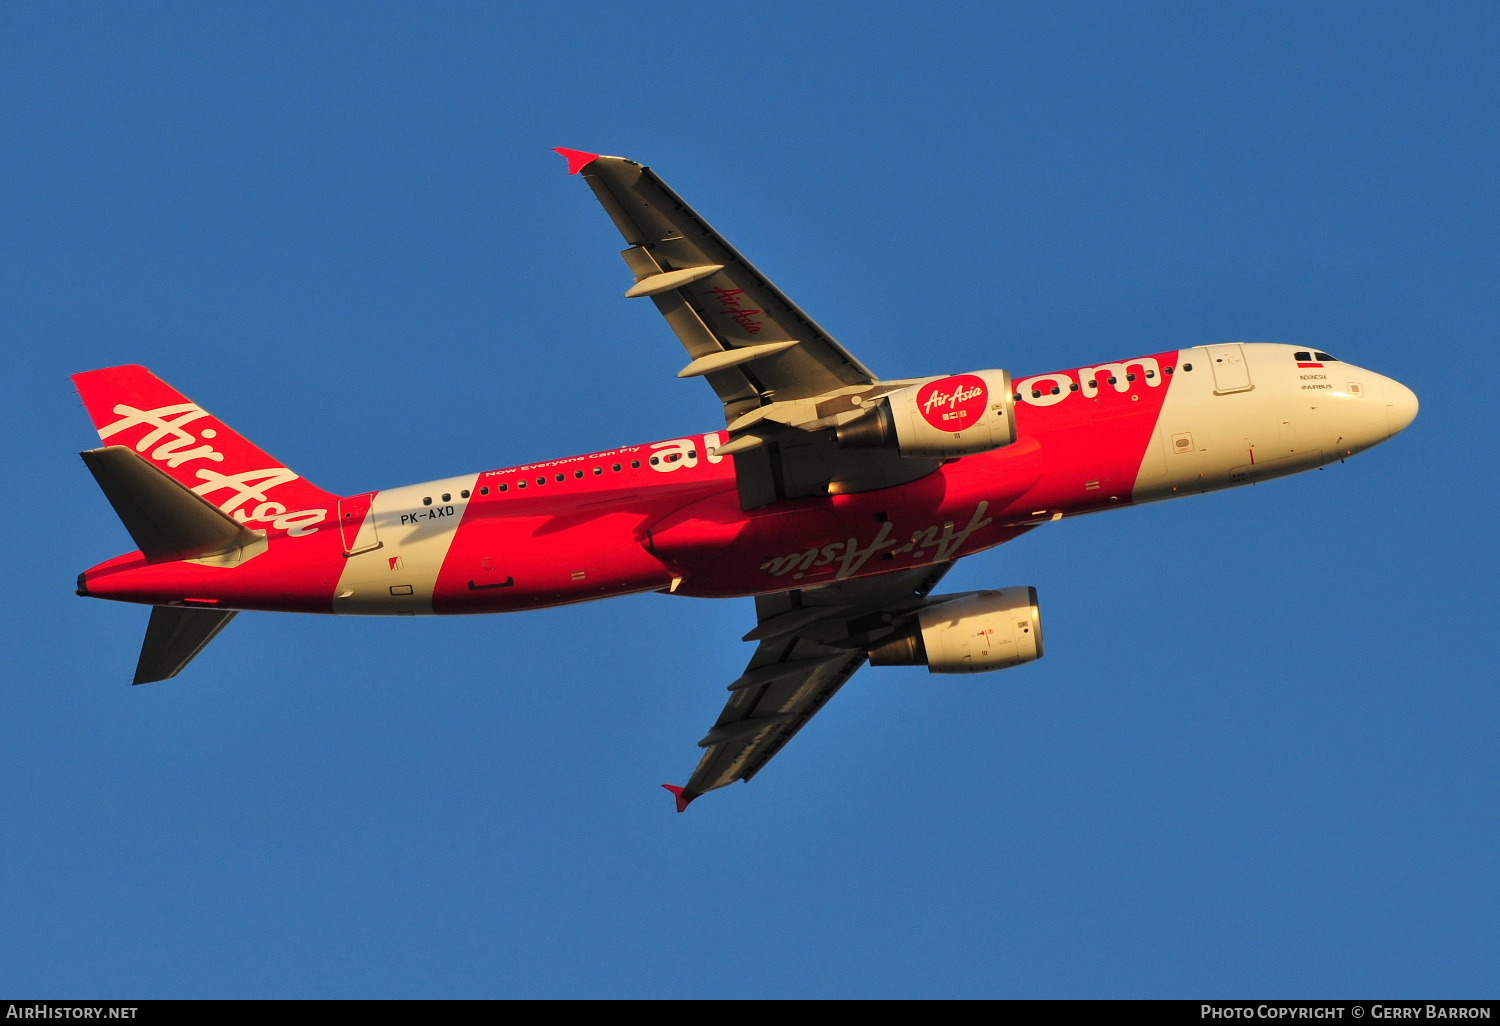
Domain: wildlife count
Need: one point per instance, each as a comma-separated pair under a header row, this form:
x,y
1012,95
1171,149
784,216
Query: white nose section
x,y
1400,406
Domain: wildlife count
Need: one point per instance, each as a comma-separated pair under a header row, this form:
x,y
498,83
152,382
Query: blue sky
x,y
1259,756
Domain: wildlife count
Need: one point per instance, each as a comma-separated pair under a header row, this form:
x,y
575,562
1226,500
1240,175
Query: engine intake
x,y
969,632
954,416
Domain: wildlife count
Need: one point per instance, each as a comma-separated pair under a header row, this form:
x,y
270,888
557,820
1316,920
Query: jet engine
x,y
969,632
954,416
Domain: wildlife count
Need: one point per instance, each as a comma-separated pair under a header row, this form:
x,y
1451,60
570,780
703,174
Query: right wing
x,y
755,346
811,642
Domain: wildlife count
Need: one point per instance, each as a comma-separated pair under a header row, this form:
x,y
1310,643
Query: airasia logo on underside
x,y
953,404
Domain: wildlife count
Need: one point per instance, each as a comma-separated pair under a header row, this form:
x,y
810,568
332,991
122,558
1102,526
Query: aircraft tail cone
x,y
682,801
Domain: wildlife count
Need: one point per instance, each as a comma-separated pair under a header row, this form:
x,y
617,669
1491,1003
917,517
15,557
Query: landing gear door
x,y
356,525
1231,371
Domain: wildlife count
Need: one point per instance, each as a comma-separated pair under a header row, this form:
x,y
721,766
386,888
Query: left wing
x,y
811,642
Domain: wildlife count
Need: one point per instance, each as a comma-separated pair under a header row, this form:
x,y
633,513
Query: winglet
x,y
577,159
682,803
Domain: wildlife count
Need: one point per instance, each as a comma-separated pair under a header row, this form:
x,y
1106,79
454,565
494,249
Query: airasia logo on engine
x,y
952,404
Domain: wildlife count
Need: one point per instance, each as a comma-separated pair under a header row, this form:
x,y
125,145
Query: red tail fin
x,y
131,406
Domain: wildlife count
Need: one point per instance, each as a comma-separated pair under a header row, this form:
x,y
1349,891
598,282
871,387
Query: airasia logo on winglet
x,y
954,403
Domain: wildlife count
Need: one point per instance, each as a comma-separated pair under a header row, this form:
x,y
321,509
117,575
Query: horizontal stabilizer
x,y
173,637
166,519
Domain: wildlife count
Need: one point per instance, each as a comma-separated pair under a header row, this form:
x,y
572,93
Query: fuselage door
x,y
356,525
1231,371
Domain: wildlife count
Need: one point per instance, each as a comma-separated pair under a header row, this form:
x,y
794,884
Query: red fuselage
x,y
667,515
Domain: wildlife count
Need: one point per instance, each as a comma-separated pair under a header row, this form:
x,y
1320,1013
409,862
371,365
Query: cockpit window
x,y
1304,355
1325,356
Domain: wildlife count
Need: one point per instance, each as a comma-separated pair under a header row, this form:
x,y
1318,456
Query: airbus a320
x,y
836,499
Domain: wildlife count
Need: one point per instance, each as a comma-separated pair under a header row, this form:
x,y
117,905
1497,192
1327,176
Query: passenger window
x,y
561,478
1072,386
1093,384
485,490
464,494
1056,390
1151,374
447,497
1130,377
598,470
1168,370
1113,380
427,500
1187,366
541,480
635,464
616,468
521,483
1036,393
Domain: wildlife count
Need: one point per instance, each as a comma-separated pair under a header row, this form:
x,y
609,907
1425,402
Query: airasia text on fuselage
x,y
1051,389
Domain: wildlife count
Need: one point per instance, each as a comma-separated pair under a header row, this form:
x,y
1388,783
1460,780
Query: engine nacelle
x,y
970,632
954,416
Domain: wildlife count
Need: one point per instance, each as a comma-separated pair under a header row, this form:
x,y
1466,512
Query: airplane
x,y
836,499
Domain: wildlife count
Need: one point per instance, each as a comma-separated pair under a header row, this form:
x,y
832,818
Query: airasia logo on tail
x,y
168,440
954,403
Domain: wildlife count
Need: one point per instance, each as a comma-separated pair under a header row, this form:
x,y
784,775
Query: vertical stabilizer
x,y
132,407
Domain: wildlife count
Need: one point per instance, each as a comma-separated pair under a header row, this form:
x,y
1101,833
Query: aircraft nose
x,y
1400,406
